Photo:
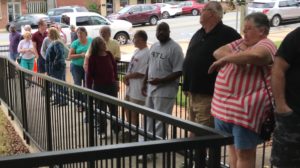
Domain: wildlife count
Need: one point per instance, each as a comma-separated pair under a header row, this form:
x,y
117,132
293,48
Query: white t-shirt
x,y
24,44
138,63
164,60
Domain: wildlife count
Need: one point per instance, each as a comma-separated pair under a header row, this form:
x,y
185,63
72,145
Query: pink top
x,y
240,96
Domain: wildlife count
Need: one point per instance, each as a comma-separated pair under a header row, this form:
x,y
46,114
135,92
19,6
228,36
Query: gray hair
x,y
216,7
260,20
27,28
106,28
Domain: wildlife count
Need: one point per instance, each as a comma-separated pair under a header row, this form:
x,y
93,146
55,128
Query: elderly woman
x,y
55,62
241,102
27,51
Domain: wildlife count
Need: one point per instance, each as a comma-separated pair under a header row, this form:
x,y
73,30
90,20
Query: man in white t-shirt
x,y
164,70
134,78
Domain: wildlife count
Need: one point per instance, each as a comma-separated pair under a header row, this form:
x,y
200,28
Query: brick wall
x,y
3,17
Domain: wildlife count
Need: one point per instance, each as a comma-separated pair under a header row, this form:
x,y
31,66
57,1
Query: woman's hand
x,y
217,65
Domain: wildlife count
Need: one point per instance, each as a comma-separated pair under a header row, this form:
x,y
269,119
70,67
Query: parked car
x,y
169,10
138,14
55,13
93,22
277,11
191,7
28,19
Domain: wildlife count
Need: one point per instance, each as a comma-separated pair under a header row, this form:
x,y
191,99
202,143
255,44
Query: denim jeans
x,y
13,56
41,62
60,92
78,75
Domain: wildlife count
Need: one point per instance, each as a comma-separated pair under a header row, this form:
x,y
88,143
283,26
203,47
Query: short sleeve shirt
x,y
79,48
138,63
164,60
38,38
114,47
24,44
289,50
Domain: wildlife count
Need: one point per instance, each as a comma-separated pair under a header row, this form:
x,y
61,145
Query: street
x,y
183,27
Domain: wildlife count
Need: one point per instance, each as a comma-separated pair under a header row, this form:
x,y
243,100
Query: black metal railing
x,y
57,116
30,99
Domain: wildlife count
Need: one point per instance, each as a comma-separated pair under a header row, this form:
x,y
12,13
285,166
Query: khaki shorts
x,y
139,102
199,109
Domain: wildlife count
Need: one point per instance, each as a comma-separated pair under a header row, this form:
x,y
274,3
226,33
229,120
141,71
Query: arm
x,y
117,52
278,84
173,76
35,49
86,59
20,48
72,54
114,63
257,56
43,49
59,50
90,76
222,52
47,62
144,87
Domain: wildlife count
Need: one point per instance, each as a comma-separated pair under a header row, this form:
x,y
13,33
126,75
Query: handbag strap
x,y
266,87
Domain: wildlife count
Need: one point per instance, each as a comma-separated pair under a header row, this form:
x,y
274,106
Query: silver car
x,y
276,10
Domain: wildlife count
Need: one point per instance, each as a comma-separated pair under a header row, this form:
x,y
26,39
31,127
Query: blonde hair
x,y
26,34
53,34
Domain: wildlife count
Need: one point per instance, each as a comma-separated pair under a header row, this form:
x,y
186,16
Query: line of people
x,y
226,77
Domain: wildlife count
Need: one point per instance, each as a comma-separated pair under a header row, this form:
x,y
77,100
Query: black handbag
x,y
268,124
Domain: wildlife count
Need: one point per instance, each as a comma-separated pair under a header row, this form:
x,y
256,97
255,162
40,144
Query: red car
x,y
191,7
138,14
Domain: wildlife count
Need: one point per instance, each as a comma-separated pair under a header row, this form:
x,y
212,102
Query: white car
x,y
276,10
169,10
93,22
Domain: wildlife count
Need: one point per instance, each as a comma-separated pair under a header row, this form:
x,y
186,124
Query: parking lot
x,y
183,27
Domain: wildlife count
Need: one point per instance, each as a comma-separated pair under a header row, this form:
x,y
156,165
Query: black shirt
x,y
199,57
289,50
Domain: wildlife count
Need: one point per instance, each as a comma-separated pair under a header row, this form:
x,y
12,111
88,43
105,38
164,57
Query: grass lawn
x,y
277,43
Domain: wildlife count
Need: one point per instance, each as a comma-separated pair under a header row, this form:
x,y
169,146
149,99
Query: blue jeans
x,y
13,56
243,137
79,78
78,74
41,63
60,92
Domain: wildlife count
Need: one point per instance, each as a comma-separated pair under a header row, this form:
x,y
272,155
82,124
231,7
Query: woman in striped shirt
x,y
241,102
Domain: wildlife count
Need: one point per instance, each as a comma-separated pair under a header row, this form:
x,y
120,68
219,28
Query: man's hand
x,y
283,109
155,81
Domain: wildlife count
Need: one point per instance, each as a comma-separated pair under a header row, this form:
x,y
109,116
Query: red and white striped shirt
x,y
240,96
